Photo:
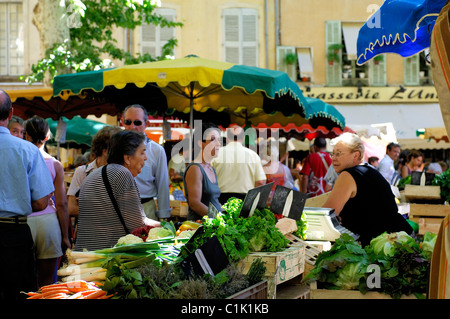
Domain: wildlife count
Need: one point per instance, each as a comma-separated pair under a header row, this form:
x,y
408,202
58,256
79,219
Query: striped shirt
x,y
99,226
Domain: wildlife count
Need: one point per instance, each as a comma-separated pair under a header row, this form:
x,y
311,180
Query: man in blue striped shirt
x,y
26,186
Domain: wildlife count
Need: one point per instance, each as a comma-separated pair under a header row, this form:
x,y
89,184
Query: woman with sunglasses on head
x,y
109,205
200,178
361,196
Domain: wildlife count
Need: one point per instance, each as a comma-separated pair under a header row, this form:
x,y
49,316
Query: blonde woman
x,y
361,196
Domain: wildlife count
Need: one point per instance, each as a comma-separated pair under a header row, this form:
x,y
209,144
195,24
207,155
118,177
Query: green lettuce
x,y
384,244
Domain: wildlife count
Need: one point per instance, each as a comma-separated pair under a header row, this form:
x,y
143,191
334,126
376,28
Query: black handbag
x,y
111,195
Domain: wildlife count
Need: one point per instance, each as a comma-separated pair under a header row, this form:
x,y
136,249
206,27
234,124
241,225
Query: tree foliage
x,y
92,45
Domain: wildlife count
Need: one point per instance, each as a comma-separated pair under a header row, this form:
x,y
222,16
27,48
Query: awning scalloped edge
x,y
386,40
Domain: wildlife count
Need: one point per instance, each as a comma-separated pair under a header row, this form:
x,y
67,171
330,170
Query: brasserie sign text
x,y
420,94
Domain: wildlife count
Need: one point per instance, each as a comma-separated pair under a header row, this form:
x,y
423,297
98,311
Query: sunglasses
x,y
136,122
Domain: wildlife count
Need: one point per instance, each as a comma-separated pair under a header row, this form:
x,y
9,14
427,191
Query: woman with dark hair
x,y
414,162
109,202
200,178
49,227
99,149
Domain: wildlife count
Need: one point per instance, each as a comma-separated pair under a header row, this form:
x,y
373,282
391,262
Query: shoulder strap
x,y
323,160
111,195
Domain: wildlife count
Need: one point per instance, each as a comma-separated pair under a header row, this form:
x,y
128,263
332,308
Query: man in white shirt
x,y
238,168
386,165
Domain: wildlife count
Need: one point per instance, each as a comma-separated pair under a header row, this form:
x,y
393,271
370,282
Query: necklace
x,y
208,166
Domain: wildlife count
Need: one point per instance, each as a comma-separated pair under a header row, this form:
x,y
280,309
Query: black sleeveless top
x,y
210,193
373,210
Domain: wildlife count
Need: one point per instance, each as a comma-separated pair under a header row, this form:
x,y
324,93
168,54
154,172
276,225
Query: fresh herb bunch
x,y
168,281
443,180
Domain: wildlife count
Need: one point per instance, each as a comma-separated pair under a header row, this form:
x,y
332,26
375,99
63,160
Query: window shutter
x,y
333,35
148,39
240,27
377,71
250,37
290,69
411,66
231,35
153,37
11,39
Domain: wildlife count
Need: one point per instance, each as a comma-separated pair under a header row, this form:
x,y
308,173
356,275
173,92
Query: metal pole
x,y
191,120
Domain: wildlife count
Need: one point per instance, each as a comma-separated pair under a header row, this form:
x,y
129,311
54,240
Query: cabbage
x,y
158,232
349,276
429,240
129,239
341,267
384,245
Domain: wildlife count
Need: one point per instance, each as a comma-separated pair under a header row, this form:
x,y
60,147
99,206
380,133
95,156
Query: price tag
x,y
255,198
288,202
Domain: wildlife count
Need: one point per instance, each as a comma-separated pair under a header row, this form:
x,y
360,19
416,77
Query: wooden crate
x,y
292,290
179,208
257,291
428,216
420,193
315,293
280,266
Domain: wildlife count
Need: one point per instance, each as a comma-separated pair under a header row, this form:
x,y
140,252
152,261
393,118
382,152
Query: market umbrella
x,y
398,26
194,84
413,25
436,133
41,102
78,130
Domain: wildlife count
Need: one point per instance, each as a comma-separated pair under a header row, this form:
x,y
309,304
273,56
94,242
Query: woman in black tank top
x,y
200,179
361,197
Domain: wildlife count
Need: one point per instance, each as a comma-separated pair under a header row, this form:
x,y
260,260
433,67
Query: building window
x,y
417,69
296,62
342,69
240,34
11,39
153,38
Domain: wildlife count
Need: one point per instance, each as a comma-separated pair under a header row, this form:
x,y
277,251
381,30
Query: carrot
x,y
52,286
58,295
77,286
36,296
54,291
95,294
77,295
